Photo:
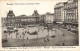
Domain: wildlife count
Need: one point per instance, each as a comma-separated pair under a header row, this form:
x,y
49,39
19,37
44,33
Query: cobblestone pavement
x,y
62,38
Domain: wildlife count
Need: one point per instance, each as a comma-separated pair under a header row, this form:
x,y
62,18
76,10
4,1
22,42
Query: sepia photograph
x,y
30,24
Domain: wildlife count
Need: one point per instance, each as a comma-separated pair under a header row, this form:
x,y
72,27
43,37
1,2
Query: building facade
x,y
22,20
49,18
71,14
66,13
59,12
41,19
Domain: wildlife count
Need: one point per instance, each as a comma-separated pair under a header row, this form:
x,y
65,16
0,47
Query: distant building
x,y
49,18
67,13
41,18
22,20
71,13
59,12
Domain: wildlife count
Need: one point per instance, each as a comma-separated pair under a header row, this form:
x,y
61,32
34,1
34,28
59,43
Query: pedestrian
x,y
6,35
63,34
63,44
20,36
45,42
27,38
11,36
25,31
48,40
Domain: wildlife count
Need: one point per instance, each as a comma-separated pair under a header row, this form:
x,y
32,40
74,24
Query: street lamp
x,y
16,33
38,32
23,37
48,29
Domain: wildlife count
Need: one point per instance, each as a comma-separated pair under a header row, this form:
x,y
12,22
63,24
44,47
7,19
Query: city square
x,y
40,39
60,28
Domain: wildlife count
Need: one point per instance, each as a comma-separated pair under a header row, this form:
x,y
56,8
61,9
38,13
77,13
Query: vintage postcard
x,y
39,24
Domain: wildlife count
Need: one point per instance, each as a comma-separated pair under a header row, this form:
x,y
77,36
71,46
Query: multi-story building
x,y
21,20
41,19
71,13
67,13
49,18
59,12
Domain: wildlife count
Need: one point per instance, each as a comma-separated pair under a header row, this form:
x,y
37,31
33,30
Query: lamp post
x,y
38,32
48,29
23,37
16,33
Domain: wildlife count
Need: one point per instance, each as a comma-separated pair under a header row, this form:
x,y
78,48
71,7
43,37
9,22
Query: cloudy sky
x,y
27,7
